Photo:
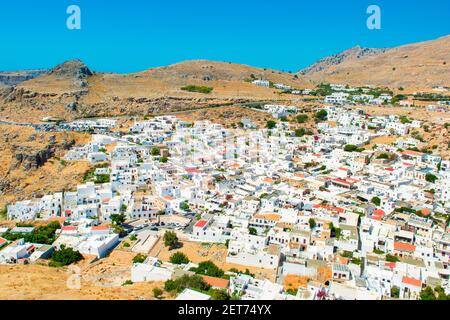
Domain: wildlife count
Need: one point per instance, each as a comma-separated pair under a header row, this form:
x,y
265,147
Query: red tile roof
x,y
2,241
412,281
201,223
97,228
216,282
402,246
69,228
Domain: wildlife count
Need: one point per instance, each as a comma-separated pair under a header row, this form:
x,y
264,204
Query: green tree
x,y
271,124
252,231
171,240
376,201
395,292
429,177
321,115
155,151
64,257
300,132
219,294
302,118
139,258
208,268
391,258
194,282
312,223
179,258
117,219
157,293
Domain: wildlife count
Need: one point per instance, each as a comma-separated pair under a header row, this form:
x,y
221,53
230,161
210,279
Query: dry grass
x,y
53,176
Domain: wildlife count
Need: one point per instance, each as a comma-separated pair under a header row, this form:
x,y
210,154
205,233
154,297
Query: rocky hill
x,y
8,79
356,52
71,90
418,66
30,162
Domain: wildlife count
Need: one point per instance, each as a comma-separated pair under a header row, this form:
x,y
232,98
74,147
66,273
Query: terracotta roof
x,y
201,223
402,246
268,216
216,282
2,241
69,228
329,208
411,153
412,281
100,228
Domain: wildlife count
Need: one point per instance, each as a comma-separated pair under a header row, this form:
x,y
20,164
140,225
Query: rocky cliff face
x,y
8,79
31,157
334,60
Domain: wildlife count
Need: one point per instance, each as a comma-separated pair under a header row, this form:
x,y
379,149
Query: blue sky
x,y
133,35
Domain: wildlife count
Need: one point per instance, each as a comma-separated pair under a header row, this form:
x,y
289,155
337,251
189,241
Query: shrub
x,y
64,257
252,231
312,223
41,234
376,201
321,115
429,177
208,268
157,293
194,282
179,258
139,258
302,118
391,258
199,89
271,124
171,240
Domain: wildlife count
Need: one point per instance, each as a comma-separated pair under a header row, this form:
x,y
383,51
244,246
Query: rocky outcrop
x,y
31,158
14,78
356,52
75,69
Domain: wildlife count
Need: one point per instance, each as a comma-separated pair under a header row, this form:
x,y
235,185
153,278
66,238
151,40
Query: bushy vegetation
x,y
429,177
353,148
312,223
179,258
171,240
64,257
391,258
194,282
102,178
302,118
321,115
208,268
199,89
139,258
437,294
41,234
376,201
271,124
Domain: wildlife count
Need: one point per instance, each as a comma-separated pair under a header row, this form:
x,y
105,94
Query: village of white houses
x,y
210,180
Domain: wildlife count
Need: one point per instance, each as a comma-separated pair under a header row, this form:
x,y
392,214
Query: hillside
x,y
71,90
30,164
13,78
418,66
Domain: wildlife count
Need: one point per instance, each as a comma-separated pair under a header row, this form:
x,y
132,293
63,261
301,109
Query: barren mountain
x,y
30,162
415,66
13,78
347,55
72,90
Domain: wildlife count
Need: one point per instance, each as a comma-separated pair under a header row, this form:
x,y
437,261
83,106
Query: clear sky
x,y
133,35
